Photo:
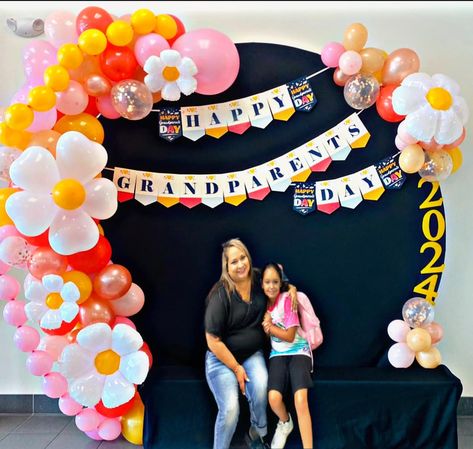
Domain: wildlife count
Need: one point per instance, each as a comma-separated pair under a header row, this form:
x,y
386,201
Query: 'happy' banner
x,y
256,182
237,116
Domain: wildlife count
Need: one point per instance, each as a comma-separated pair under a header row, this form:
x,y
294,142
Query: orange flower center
x,y
170,73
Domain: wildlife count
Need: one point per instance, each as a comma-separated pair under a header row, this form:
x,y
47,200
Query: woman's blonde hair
x,y
225,277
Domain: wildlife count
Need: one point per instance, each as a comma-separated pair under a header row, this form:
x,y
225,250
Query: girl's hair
x,y
225,278
277,268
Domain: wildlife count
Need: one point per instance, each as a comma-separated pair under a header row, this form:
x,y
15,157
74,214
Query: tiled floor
x,y
56,431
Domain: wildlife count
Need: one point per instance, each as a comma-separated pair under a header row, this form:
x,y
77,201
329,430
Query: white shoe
x,y
283,430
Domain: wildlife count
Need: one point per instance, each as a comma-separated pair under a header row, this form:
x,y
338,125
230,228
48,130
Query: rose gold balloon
x,y
97,85
432,145
355,37
112,282
339,78
372,60
45,261
46,139
130,303
399,64
96,310
435,330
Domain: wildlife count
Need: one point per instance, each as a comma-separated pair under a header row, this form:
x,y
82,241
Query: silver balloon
x,y
361,91
418,312
437,166
132,99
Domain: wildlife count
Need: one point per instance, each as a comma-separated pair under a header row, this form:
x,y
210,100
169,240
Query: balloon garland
x,y
87,350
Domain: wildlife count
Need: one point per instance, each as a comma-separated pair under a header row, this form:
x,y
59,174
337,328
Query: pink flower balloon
x,y
39,363
215,56
26,338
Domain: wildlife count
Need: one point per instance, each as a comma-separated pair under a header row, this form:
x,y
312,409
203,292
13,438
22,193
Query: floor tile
x,y
465,425
73,440
119,443
8,423
44,423
465,441
27,440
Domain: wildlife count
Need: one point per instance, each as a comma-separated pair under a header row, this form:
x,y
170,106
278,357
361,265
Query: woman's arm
x,y
220,350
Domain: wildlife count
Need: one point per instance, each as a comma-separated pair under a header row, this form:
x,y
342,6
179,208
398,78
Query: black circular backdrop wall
x,y
357,266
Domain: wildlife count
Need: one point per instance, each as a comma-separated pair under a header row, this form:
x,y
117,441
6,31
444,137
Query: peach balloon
x,y
96,310
412,158
429,359
45,261
46,139
112,282
372,60
340,78
130,303
418,339
355,37
399,64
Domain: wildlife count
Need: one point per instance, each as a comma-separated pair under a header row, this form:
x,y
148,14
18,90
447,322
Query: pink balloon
x,y
400,144
110,429
215,56
350,62
400,355
105,107
124,320
8,231
43,120
73,100
60,28
149,45
54,385
37,56
26,338
39,363
87,420
130,303
4,268
14,313
53,345
432,145
331,53
68,406
435,330
398,330
94,435
9,287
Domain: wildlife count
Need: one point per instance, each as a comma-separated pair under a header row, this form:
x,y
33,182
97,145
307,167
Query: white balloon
x,y
135,367
96,337
75,362
35,170
72,232
87,390
125,339
101,201
117,390
78,157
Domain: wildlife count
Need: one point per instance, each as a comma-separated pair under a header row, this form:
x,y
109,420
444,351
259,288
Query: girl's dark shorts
x,y
289,368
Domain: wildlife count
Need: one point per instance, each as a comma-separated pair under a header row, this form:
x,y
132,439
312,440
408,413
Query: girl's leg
x,y
224,386
277,405
303,417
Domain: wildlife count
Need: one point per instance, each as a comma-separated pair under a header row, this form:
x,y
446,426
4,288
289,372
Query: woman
x,y
235,338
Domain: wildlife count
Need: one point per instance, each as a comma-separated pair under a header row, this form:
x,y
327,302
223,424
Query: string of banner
x,y
276,175
236,116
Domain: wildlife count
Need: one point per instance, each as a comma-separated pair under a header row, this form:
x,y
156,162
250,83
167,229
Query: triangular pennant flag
x,y
326,196
215,121
234,188
191,192
169,189
370,185
237,117
304,197
170,125
280,102
259,111
124,179
146,187
337,146
255,182
348,192
390,173
193,122
302,94
354,131
316,154
212,190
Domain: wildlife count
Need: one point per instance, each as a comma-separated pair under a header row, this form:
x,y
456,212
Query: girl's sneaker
x,y
283,430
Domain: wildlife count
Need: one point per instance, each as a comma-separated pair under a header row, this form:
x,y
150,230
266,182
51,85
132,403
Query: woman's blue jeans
x,y
224,386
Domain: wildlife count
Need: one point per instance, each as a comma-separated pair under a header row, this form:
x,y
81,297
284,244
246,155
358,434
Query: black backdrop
x,y
357,266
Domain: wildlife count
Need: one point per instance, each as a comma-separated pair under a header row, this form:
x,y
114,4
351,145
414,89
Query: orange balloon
x,y
429,359
82,281
14,138
46,139
96,310
355,37
90,66
132,422
83,123
372,60
4,194
112,282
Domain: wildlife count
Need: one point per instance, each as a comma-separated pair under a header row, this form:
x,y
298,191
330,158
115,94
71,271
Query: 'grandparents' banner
x,y
256,182
236,116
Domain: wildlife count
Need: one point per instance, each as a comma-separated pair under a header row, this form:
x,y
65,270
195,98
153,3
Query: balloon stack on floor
x,y
430,111
75,324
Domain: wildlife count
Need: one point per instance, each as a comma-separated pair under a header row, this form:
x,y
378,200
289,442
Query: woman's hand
x,y
241,376
292,290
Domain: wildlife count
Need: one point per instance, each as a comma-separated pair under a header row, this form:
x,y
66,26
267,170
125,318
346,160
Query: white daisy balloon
x,y
62,194
51,301
433,107
171,74
104,364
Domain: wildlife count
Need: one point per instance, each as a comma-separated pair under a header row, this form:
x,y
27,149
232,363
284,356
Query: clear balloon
x,y
16,251
132,99
457,158
7,156
437,167
361,91
399,64
417,312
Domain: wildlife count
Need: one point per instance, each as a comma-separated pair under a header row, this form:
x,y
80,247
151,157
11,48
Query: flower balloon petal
x,y
52,282
101,199
87,390
135,367
117,390
95,338
74,362
126,339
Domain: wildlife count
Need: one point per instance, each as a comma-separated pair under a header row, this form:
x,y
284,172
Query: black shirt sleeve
x,y
216,313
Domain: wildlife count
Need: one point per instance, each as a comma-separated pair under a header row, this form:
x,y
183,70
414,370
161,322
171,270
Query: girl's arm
x,y
220,350
285,335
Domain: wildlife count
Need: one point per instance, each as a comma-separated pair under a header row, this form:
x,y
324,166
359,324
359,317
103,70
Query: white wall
x,y
440,33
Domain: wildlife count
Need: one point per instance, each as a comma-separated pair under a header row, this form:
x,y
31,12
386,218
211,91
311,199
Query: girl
x,y
290,358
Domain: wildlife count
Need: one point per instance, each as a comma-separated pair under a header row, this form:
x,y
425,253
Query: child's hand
x,y
267,326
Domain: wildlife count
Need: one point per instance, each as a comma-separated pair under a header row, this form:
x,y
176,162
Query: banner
x,y
257,182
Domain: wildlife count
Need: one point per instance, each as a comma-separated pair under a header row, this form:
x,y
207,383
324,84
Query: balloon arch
x,y
87,350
